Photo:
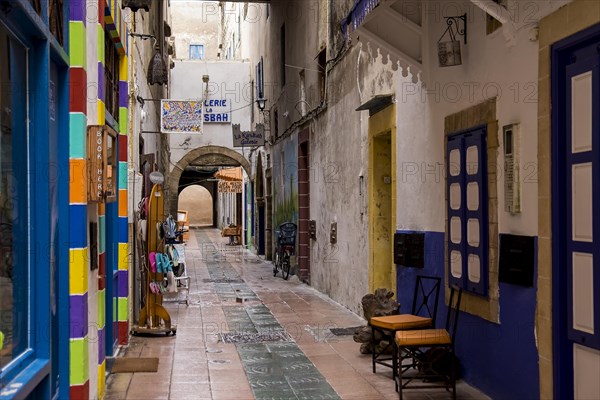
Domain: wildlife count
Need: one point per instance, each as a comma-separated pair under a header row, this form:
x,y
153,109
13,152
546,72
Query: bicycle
x,y
286,247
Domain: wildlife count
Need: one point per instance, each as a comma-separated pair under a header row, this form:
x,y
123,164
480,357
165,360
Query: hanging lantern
x,y
158,72
449,51
135,5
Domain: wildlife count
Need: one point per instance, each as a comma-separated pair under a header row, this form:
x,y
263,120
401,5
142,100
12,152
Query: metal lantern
x,y
158,72
135,5
449,51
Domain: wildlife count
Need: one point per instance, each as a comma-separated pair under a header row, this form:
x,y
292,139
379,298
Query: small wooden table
x,y
234,233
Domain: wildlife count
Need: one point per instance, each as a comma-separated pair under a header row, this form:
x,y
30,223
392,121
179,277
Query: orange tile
x,y
78,181
122,203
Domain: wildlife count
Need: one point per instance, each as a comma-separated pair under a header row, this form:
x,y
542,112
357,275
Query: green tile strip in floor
x,y
275,370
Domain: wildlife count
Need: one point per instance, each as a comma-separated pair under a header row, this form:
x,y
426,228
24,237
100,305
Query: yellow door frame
x,y
382,272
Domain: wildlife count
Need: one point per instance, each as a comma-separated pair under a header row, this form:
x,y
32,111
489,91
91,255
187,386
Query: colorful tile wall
x,y
78,262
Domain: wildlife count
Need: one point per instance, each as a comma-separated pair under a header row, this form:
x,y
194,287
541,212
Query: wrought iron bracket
x,y
455,22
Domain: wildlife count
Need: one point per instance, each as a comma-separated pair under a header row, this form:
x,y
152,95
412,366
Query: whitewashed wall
x,y
227,80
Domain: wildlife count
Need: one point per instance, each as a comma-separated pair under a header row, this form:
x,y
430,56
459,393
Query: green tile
x,y
77,44
100,44
79,361
101,308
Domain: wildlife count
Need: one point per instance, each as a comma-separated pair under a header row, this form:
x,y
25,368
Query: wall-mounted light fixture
x,y
261,103
449,51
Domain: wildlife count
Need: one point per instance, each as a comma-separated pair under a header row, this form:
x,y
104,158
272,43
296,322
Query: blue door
x,y
261,230
576,214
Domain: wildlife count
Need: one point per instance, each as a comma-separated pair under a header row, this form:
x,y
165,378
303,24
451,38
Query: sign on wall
x,y
217,111
249,139
230,186
102,161
181,116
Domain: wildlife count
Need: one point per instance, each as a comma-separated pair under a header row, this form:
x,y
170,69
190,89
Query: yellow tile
x,y
123,68
123,256
78,181
101,113
78,271
101,379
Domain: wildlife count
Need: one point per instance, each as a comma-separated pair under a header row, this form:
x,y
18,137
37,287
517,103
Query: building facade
x,y
460,159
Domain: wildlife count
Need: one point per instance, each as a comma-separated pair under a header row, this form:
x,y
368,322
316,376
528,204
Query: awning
x,y
230,174
358,14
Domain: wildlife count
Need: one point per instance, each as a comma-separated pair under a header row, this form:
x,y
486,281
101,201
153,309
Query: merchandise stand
x,y
154,318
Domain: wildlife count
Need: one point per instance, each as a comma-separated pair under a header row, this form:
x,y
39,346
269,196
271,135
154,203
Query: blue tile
x,y
78,224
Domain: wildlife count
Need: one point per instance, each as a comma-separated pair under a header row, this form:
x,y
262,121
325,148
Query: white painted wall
x,y
489,69
196,22
227,80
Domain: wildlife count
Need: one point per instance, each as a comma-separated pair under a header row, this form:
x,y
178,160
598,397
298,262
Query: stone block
x,y
544,96
544,217
582,14
544,62
546,379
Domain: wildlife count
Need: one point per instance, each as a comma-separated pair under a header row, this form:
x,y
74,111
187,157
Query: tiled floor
x,y
234,291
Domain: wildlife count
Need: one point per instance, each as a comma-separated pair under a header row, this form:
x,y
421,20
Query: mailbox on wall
x,y
517,259
102,164
409,249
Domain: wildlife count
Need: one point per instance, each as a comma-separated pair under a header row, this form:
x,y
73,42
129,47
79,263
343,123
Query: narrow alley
x,y
303,199
281,331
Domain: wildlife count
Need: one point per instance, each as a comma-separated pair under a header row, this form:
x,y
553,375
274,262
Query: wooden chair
x,y
437,366
423,315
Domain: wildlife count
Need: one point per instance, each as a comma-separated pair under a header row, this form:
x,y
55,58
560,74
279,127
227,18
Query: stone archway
x,y
210,155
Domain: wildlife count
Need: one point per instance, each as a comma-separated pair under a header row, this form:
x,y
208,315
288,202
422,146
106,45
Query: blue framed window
x,y
468,210
14,202
196,52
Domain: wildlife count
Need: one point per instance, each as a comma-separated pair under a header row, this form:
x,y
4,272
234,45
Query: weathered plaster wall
x,y
196,22
338,158
145,117
228,80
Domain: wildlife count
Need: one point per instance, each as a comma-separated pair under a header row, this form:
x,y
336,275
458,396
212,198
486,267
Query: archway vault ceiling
x,y
214,160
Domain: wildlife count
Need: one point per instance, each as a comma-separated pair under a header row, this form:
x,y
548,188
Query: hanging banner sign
x,y
217,111
178,116
230,186
249,139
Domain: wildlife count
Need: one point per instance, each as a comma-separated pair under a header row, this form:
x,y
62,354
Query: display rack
x,y
154,318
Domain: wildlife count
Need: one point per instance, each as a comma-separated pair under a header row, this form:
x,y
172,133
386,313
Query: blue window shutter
x,y
467,207
477,250
454,171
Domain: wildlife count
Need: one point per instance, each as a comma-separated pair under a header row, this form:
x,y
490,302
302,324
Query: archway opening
x,y
198,202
